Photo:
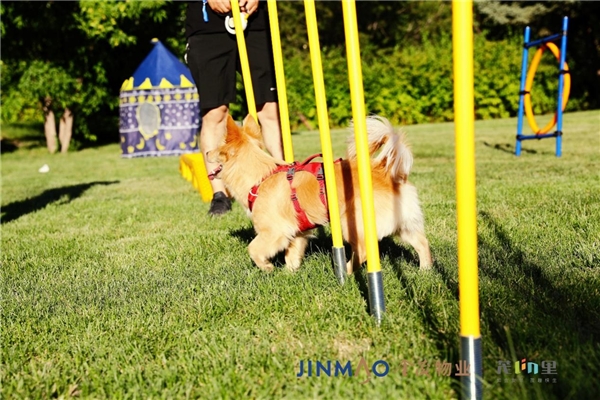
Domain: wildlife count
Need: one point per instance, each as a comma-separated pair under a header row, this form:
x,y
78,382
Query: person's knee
x,y
215,115
268,108
269,112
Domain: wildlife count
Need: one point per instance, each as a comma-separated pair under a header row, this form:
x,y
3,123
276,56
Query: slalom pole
x,y
375,279
522,93
243,54
284,116
338,254
561,79
464,125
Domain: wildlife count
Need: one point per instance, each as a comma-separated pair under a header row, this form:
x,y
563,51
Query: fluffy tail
x,y
395,155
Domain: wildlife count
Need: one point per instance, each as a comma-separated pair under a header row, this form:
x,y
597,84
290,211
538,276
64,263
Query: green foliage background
x,y
406,50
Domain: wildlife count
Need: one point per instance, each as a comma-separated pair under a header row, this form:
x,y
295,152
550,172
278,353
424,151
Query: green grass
x,y
116,284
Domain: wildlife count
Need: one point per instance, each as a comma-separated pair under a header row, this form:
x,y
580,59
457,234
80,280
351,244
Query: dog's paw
x,y
349,267
268,268
425,266
292,267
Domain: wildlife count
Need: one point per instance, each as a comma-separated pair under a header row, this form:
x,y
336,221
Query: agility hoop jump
x,y
564,88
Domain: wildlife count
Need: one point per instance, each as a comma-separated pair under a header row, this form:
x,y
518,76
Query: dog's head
x,y
235,140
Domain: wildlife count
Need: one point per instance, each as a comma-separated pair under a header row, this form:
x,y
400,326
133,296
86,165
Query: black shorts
x,y
213,61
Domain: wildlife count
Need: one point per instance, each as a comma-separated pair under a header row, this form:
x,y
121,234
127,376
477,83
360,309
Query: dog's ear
x,y
251,128
231,125
233,130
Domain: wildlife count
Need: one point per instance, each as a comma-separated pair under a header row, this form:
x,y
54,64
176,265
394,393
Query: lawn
x,y
116,283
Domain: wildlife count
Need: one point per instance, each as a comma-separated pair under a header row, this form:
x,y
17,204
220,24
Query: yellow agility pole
x,y
464,125
193,169
284,116
243,54
375,279
338,254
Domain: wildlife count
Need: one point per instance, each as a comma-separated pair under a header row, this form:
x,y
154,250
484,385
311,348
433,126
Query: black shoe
x,y
220,204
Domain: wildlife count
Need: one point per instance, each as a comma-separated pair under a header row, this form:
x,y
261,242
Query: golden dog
x,y
244,164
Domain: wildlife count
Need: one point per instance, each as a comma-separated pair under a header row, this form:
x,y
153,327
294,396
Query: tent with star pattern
x,y
159,110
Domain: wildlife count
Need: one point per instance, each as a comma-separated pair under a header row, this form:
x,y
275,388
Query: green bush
x,y
15,106
413,84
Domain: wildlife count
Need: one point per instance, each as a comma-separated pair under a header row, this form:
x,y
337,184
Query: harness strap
x,y
301,216
316,169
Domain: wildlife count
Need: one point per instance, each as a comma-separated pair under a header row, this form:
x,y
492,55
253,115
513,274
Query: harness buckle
x,y
290,173
320,174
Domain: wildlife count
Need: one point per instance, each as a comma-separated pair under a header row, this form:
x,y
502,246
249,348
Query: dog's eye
x,y
225,154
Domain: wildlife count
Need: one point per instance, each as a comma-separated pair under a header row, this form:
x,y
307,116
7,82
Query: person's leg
x,y
260,56
212,62
214,123
268,116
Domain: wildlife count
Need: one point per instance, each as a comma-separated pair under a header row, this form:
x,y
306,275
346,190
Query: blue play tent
x,y
159,107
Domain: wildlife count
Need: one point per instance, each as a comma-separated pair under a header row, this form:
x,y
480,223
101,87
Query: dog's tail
x,y
395,155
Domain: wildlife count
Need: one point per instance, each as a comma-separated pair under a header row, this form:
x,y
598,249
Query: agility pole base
x,y
192,168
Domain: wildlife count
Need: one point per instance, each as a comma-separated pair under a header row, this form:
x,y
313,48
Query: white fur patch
x,y
394,150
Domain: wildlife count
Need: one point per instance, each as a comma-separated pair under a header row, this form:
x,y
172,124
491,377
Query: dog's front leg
x,y
264,247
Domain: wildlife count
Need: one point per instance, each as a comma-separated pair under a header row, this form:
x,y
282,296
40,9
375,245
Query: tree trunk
x,y
65,130
305,121
49,125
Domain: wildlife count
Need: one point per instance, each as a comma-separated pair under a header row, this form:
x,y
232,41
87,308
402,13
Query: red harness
x,y
314,168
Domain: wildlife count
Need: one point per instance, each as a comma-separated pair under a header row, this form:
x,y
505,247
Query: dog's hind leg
x,y
264,246
358,257
295,252
418,240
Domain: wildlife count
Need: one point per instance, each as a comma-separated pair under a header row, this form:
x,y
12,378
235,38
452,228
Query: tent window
x,y
148,116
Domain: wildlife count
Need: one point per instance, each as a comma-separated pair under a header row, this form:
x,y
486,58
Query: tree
x,y
55,90
89,48
76,55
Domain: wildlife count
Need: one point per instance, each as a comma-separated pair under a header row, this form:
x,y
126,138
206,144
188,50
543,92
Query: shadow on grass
x,y
423,290
548,317
24,142
17,209
526,284
319,244
553,316
551,301
7,146
21,136
507,148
